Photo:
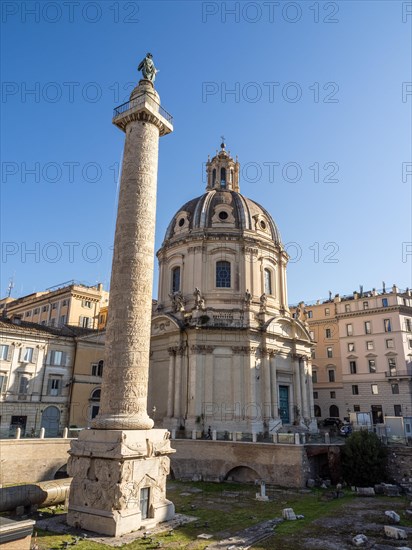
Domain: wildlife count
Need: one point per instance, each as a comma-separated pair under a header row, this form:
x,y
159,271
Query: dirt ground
x,y
335,532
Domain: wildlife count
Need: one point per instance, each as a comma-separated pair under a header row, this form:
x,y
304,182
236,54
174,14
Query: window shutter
x,y
49,383
21,354
59,386
48,357
10,352
35,355
65,359
80,320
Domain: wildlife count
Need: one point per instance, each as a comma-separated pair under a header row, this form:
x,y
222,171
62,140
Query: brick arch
x,y
242,474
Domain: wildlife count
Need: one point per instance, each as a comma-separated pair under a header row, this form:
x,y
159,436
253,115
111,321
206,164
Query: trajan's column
x,y
119,467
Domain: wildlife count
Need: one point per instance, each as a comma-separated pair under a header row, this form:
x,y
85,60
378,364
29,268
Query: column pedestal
x,y
118,474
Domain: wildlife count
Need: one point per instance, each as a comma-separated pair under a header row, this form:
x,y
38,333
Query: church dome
x,y
222,210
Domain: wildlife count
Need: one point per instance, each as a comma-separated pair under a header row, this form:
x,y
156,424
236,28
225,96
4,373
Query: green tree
x,y
364,459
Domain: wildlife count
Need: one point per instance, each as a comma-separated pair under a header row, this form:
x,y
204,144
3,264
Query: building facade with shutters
x,y
87,379
225,350
67,304
36,365
366,339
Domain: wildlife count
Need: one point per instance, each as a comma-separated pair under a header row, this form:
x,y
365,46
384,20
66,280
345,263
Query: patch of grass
x,y
222,509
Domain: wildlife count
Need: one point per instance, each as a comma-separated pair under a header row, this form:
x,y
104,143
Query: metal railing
x,y
145,98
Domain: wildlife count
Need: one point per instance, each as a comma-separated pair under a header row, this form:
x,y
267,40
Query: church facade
x,y
226,353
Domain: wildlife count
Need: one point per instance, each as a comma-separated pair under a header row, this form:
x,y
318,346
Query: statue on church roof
x,y
147,67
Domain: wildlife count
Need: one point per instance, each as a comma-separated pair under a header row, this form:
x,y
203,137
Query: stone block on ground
x,y
360,540
390,490
288,514
394,532
365,491
204,536
393,516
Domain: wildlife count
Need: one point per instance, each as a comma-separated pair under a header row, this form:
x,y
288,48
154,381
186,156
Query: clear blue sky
x,y
317,95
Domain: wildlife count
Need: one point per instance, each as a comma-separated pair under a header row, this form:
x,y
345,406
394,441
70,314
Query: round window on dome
x,y
181,222
223,215
263,224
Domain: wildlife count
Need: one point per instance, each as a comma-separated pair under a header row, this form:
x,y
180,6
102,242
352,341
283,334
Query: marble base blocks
x,y
119,480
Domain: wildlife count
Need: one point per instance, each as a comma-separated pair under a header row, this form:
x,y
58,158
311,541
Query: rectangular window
x,y
352,367
312,335
368,329
329,352
4,352
331,375
397,410
24,385
369,344
387,325
356,408
392,365
87,303
355,389
268,282
54,386
349,330
315,395
365,305
351,346
328,333
27,355
36,311
310,314
372,365
313,354
85,322
63,319
327,311
347,308
315,376
333,395
45,308
384,302
223,274
64,303
410,343
408,325
54,306
97,368
175,279
395,388
374,389
389,343
56,358
28,313
3,382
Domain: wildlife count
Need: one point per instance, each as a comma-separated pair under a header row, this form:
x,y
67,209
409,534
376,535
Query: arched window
x,y
95,396
334,411
268,281
175,279
223,274
223,177
214,176
95,403
318,411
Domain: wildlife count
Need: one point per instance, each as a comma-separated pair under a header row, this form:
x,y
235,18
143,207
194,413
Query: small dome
x,y
222,210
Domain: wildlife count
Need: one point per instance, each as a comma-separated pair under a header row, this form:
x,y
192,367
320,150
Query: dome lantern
x,y
222,171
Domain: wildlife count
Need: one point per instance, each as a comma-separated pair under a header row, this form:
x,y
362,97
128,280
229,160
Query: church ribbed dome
x,y
222,210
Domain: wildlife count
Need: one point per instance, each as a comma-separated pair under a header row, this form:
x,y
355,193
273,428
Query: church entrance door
x,y
284,404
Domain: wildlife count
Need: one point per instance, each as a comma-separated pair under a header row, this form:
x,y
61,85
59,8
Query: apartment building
x,y
362,356
36,365
70,303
